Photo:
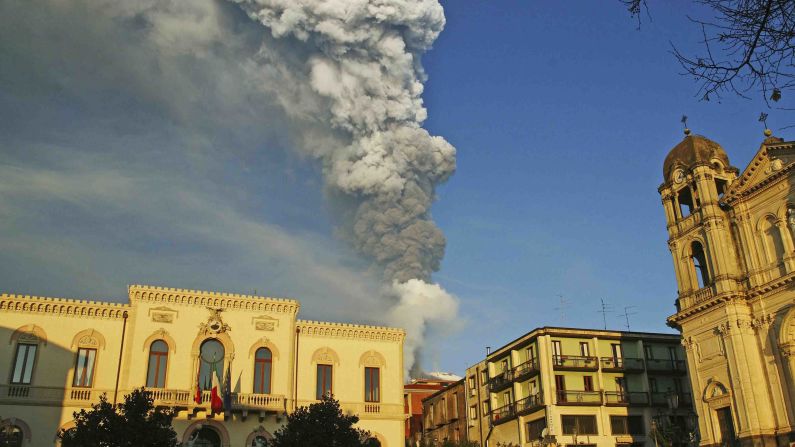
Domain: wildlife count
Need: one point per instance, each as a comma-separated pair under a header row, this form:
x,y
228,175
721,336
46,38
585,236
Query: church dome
x,y
694,149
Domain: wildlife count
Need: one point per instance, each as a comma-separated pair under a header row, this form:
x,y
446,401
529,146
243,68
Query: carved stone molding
x,y
30,333
215,324
372,359
352,331
161,334
787,349
325,355
163,314
88,338
265,323
762,322
212,299
264,342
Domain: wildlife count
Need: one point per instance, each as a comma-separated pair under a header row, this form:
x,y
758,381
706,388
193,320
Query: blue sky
x,y
119,168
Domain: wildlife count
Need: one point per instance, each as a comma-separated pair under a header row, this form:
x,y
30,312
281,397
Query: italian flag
x,y
216,403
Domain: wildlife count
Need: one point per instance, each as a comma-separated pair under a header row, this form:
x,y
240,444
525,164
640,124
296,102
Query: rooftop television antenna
x,y
562,303
627,314
604,309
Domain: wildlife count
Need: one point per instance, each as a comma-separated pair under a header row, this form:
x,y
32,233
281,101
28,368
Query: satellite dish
x,y
544,433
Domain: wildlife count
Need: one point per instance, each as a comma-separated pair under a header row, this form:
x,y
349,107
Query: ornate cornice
x,y
62,306
212,299
354,331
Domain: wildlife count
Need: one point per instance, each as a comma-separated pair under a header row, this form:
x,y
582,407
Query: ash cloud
x,y
178,91
363,59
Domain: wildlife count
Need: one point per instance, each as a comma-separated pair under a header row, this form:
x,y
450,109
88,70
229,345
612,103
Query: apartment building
x,y
414,393
584,387
444,413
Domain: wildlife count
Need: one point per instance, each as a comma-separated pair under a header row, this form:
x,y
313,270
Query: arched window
x,y
24,360
259,441
12,435
263,362
773,243
699,264
158,361
211,360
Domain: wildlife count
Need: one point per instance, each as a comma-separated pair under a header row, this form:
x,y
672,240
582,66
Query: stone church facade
x,y
60,355
731,238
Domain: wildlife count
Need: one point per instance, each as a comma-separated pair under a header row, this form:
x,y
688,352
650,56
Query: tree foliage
x,y
136,422
748,47
321,424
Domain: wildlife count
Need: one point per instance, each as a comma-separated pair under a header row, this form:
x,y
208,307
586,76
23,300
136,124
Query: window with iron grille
x,y
627,425
535,428
579,425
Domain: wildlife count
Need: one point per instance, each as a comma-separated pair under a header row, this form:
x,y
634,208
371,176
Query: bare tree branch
x,y
749,46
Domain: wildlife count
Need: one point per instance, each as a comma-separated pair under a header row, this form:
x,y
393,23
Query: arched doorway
x,y
205,437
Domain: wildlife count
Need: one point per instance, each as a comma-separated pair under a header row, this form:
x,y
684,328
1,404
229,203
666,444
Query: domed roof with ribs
x,y
694,149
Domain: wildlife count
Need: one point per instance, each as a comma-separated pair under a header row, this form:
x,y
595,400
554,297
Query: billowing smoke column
x,y
361,58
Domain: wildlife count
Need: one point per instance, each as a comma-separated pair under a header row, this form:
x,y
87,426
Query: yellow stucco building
x,y
731,238
58,355
592,388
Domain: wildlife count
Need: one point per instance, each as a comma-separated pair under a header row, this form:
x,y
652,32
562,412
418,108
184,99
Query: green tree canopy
x,y
136,422
322,424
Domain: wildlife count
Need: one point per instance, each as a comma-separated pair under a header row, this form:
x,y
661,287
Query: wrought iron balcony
x,y
621,398
566,397
529,403
666,366
526,369
503,414
621,364
685,400
500,381
575,362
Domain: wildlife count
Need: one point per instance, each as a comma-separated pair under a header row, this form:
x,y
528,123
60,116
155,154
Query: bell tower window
x,y
686,203
699,264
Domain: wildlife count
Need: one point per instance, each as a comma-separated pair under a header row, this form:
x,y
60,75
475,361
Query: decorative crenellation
x,y
212,299
346,330
62,306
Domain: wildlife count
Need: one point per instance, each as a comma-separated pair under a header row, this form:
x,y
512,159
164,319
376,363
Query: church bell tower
x,y
730,237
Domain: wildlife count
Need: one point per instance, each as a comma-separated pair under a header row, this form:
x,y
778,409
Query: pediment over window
x,y
716,394
29,334
372,359
88,338
325,355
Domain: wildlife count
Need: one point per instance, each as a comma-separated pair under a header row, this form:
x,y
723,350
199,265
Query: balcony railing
x,y
662,399
56,396
575,362
621,364
525,369
666,365
579,397
369,410
502,414
500,381
626,398
44,395
529,403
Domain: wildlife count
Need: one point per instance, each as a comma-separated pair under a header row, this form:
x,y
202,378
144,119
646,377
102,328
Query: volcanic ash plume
x,y
358,62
